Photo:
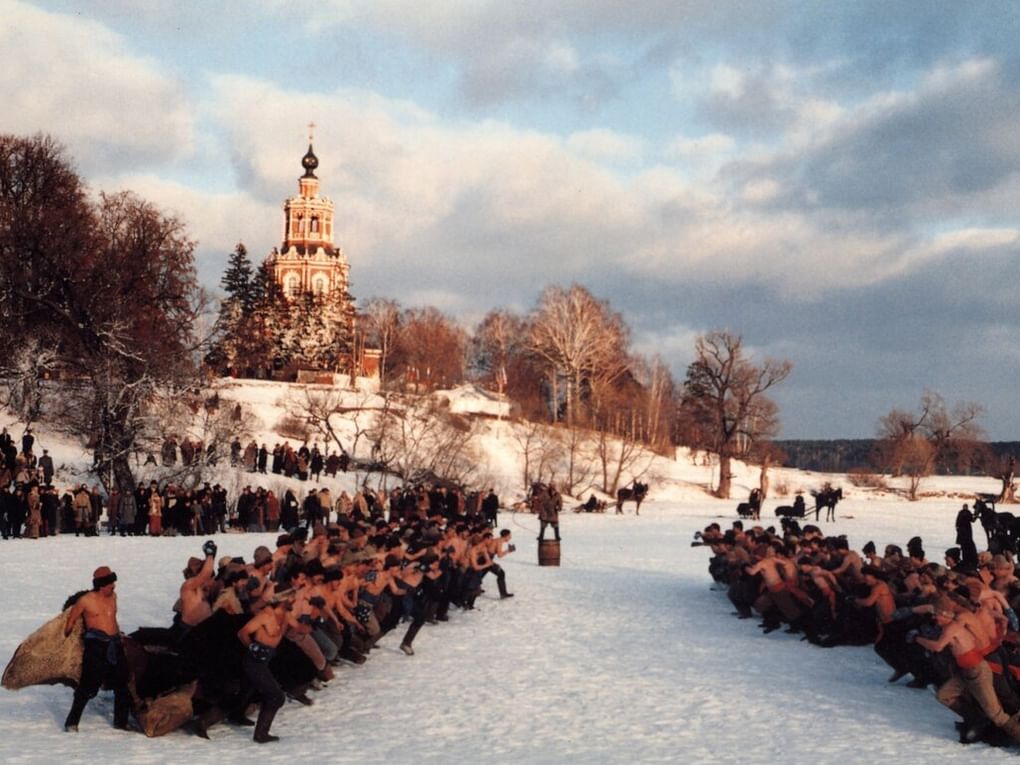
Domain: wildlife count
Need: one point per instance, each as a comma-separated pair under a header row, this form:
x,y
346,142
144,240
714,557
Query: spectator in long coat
x,y
128,513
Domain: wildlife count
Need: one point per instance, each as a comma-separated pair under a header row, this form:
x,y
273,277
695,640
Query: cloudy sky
x,y
839,183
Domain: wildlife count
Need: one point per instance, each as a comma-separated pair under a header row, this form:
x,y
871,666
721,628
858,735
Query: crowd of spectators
x,y
32,507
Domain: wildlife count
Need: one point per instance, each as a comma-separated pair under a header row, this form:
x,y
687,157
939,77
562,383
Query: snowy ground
x,y
622,654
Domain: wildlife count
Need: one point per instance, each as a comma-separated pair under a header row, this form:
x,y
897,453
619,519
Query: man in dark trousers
x,y
26,442
549,513
965,538
490,508
46,465
103,659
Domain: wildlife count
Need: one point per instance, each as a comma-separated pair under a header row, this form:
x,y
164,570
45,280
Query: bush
x,y
866,479
291,427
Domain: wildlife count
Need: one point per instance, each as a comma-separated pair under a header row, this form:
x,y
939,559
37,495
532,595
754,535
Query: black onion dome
x,y
309,162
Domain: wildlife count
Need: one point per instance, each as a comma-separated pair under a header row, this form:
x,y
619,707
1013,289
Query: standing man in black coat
x,y
965,538
27,440
490,508
46,465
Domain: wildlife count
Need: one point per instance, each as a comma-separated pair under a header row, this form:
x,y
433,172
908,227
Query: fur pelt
x,y
166,713
47,657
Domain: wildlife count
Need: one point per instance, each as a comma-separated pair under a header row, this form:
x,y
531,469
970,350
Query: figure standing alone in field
x,y
103,659
549,512
754,500
965,538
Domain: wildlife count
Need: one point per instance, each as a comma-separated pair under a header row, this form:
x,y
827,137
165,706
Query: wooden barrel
x,y
549,552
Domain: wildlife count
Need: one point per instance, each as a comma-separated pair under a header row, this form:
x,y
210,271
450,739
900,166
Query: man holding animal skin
x,y
103,658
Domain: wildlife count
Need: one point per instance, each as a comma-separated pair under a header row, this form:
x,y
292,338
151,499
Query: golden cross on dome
x,y
311,131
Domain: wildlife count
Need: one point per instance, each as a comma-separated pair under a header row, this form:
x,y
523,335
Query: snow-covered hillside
x,y
499,446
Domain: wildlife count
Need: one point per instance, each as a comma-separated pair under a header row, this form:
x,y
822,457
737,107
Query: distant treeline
x,y
846,454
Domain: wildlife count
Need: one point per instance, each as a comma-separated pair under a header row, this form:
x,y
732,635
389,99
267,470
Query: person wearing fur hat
x,y
103,659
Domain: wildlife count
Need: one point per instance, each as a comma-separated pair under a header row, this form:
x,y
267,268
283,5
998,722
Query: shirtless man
x,y
889,636
260,637
849,568
195,607
823,580
972,683
103,658
880,596
776,599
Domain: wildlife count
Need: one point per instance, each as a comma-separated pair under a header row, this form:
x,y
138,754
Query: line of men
x,y
295,613
950,625
283,459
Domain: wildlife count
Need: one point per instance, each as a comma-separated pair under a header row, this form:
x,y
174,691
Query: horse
x,y
745,510
984,511
827,498
1006,533
637,492
789,511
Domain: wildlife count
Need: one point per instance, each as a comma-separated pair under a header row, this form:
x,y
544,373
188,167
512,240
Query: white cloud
x,y
77,79
486,206
761,190
600,144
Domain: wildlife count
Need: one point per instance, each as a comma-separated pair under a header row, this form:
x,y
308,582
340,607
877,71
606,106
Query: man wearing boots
x,y
260,637
549,513
103,658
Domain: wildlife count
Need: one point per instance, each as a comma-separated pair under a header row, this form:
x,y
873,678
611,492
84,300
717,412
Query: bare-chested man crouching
x,y
103,659
972,685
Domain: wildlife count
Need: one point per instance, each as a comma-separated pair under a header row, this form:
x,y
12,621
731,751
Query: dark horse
x,y
827,498
790,511
745,510
637,492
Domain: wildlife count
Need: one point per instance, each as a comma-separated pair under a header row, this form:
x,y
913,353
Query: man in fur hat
x,y
103,659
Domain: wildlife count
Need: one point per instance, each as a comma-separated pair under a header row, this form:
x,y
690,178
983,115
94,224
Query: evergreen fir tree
x,y
260,284
238,279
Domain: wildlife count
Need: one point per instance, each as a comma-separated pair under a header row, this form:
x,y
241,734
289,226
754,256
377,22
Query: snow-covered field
x,y
622,654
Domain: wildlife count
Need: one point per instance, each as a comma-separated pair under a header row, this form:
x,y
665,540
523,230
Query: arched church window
x,y
319,284
293,285
315,224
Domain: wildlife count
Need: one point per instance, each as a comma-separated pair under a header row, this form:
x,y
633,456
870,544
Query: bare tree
x,y
342,418
581,339
381,317
540,448
1007,475
725,394
948,435
419,436
578,456
430,350
23,378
